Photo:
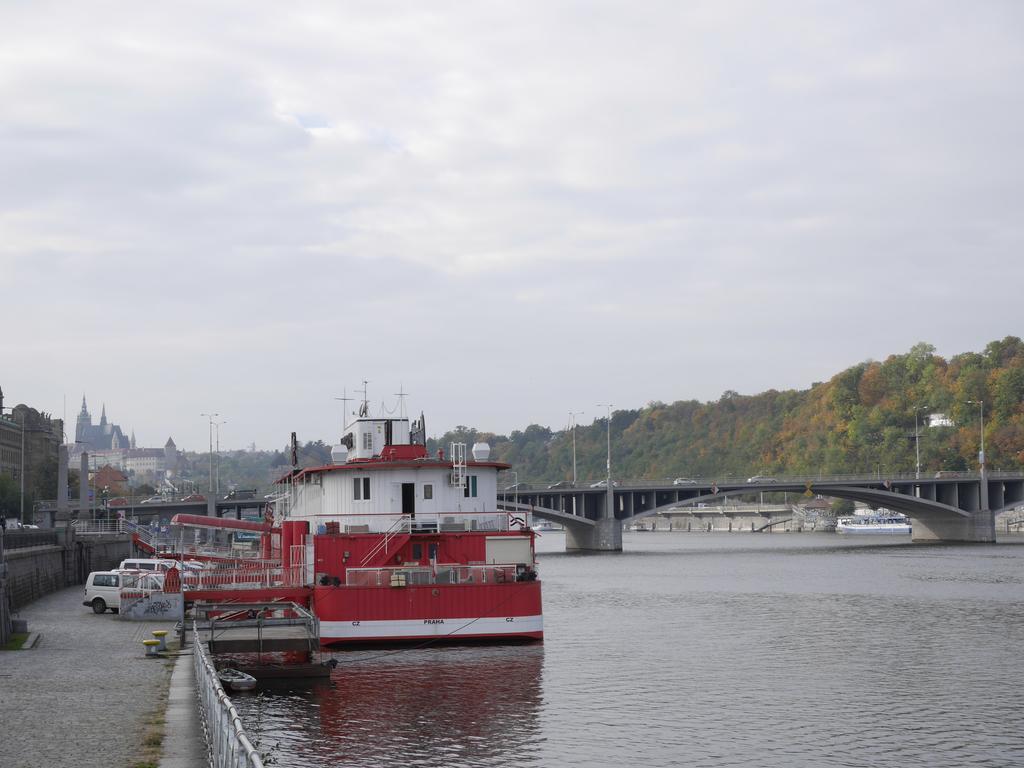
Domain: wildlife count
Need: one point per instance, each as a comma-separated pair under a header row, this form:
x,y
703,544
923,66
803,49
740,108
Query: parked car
x,y
147,564
103,588
562,484
684,481
240,494
119,501
604,484
761,479
152,500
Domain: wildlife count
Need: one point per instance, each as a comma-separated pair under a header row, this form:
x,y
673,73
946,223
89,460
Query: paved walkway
x,y
83,697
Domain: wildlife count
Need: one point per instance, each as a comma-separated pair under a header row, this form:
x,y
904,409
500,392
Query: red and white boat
x,y
385,544
397,545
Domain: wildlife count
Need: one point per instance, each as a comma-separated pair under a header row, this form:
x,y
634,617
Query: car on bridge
x,y
761,479
604,484
194,497
562,484
684,481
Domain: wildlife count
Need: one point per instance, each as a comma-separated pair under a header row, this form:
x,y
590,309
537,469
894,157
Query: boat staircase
x,y
458,455
394,539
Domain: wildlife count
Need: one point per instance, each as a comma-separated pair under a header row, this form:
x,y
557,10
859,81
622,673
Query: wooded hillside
x,y
862,420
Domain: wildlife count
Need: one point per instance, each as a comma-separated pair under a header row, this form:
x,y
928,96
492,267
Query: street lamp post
x,y
572,422
917,440
609,507
211,417
217,425
981,452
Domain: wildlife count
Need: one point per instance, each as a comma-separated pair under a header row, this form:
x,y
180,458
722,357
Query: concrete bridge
x,y
959,506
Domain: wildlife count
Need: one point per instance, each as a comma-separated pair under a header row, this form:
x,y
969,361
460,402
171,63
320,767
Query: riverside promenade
x,y
86,695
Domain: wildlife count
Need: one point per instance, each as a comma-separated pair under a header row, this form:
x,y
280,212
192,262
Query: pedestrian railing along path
x,y
228,744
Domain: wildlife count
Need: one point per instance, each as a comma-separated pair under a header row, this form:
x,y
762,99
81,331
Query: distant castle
x,y
108,445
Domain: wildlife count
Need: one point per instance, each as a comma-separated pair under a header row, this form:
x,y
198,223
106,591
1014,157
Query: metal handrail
x,y
543,486
227,743
401,525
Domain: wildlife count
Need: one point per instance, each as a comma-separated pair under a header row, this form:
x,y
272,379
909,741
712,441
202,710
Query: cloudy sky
x,y
512,210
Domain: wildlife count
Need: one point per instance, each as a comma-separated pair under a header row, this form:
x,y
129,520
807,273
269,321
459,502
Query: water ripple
x,y
700,650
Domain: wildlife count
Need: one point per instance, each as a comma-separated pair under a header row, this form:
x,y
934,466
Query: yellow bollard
x,y
152,647
161,635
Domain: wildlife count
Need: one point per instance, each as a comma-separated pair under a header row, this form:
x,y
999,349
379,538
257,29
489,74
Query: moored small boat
x,y
236,680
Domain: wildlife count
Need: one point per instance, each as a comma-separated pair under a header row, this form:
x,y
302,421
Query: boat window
x,y
367,440
428,491
361,488
470,487
432,551
417,551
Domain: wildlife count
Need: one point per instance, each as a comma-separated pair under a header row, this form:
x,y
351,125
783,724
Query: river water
x,y
700,650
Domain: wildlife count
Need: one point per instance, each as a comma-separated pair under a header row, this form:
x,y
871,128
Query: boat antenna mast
x,y
364,409
401,394
344,407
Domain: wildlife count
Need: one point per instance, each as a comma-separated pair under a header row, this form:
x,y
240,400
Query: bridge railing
x,y
535,487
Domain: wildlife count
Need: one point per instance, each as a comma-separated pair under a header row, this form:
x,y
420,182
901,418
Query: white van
x,y
148,564
103,588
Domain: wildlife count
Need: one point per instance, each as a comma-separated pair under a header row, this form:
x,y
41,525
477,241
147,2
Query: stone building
x,y
107,445
41,436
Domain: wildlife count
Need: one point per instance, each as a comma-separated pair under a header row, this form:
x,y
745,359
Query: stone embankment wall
x,y
62,561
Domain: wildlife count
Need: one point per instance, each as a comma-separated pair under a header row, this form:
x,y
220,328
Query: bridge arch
x,y
912,506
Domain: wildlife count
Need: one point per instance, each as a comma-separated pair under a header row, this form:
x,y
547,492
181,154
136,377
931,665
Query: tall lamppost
x,y
981,453
572,423
917,439
211,417
216,426
21,474
610,512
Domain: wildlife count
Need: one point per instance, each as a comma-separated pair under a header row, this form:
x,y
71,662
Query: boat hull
x,y
443,612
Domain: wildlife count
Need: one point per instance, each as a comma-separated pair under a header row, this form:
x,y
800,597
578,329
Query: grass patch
x,y
153,723
16,642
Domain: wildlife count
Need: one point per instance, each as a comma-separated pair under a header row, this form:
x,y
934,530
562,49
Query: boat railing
x,y
413,575
400,526
240,578
392,524
227,743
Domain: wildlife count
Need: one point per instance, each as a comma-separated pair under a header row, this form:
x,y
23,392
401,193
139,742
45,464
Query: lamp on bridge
x,y
572,426
981,451
610,511
917,438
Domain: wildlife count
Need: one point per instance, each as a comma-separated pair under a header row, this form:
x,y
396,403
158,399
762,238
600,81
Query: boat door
x,y
409,499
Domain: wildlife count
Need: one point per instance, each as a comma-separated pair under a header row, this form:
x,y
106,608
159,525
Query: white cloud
x,y
225,207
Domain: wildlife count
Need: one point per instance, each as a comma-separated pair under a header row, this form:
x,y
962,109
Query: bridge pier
x,y
604,536
980,527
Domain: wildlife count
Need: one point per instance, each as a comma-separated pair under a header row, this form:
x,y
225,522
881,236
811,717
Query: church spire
x,y
132,444
85,410
103,416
